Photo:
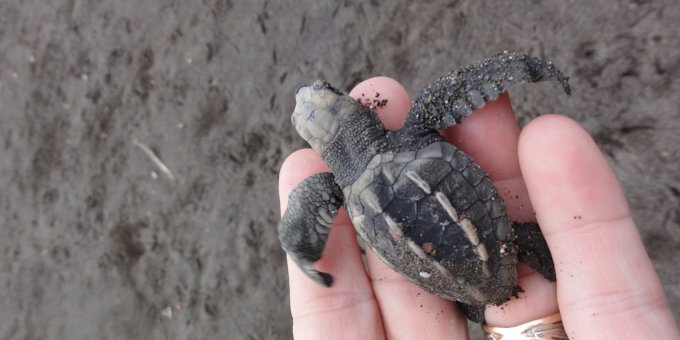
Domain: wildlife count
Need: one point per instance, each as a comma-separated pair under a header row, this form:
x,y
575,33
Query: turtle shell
x,y
436,217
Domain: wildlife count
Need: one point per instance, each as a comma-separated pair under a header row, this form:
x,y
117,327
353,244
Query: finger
x,y
607,287
490,136
386,97
408,312
348,309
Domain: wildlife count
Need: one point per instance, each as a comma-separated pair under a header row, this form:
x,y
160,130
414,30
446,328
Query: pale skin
x,y
550,171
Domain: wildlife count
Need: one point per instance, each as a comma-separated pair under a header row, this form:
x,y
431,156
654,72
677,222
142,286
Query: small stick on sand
x,y
161,166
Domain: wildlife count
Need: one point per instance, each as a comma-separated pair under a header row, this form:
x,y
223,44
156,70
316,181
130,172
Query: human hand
x,y
606,286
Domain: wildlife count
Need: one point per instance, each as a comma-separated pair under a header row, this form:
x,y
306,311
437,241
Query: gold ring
x,y
549,327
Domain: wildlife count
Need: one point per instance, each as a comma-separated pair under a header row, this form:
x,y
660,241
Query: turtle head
x,y
319,109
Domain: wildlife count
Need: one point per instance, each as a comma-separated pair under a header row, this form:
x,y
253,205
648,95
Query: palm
x,y
577,201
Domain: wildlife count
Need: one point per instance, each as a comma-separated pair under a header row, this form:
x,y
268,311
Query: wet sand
x,y
140,141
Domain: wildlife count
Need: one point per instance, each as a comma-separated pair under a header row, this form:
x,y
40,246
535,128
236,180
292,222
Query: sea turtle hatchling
x,y
423,206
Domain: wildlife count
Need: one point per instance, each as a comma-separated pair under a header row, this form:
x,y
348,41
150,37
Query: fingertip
x,y
387,97
558,124
554,128
567,176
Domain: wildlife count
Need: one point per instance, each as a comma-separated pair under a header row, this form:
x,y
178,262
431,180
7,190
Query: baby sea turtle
x,y
422,205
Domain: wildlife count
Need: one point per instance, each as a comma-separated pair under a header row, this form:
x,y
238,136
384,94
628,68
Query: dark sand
x,y
98,243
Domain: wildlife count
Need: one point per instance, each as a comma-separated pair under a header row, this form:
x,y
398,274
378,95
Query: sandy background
x,y
96,242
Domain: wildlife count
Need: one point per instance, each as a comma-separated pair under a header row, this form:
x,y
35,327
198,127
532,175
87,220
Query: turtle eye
x,y
320,85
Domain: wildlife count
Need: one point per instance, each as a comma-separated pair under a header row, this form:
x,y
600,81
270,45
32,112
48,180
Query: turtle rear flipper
x,y
533,249
304,228
474,313
455,95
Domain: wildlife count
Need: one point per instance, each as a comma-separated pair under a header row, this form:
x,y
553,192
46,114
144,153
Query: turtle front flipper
x,y
455,95
304,228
